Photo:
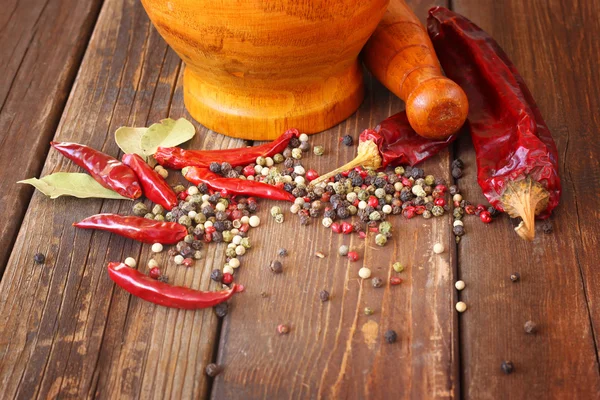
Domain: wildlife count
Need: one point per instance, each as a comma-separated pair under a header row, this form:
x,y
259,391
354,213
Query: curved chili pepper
x,y
392,142
236,186
108,171
136,228
517,160
157,292
178,158
155,187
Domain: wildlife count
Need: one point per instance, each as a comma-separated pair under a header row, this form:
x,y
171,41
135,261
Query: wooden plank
x,y
64,329
41,42
553,47
333,350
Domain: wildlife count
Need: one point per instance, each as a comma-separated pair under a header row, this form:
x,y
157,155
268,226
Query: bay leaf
x,y
167,133
129,140
74,184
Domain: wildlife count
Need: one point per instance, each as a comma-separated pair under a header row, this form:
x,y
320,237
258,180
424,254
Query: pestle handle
x,y
401,56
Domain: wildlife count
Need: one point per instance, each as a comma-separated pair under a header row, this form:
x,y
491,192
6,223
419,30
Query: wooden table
x,y
77,70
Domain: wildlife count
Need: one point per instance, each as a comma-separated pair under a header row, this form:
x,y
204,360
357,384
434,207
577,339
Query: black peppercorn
x,y
232,174
547,227
329,213
288,163
324,295
282,252
507,367
221,309
288,187
458,230
458,163
203,188
313,212
357,180
343,213
347,140
390,336
219,226
276,267
294,142
417,173
215,167
252,207
196,244
163,278
216,275
453,189
304,219
217,237
379,182
213,370
457,173
39,258
377,282
406,195
439,181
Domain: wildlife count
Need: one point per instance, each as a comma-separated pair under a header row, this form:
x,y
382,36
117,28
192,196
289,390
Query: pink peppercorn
x,y
485,217
394,280
227,278
353,256
347,228
311,175
440,201
249,170
373,202
154,273
337,228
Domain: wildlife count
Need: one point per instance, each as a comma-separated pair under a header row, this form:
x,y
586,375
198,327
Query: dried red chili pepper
x,y
235,186
392,142
517,160
157,292
155,187
106,170
136,228
178,158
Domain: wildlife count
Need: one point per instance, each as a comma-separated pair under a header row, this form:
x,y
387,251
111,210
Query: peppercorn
x,y
377,282
343,212
154,273
398,267
427,214
485,217
546,227
390,336
215,167
296,154
347,140
221,309
227,278
530,327
324,295
458,212
380,239
283,329
163,278
437,211
213,370
458,163
353,256
276,267
457,173
458,230
507,367
216,275
39,258
343,250
461,306
140,209
149,216
304,146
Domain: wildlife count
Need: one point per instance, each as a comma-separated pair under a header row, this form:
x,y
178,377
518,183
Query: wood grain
x,y
41,45
256,68
64,328
333,350
553,47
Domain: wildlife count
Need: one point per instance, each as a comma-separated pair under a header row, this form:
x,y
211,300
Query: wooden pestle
x,y
400,55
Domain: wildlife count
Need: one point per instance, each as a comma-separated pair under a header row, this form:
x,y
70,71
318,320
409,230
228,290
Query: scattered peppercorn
x,y
368,311
353,256
320,254
390,336
324,295
343,250
347,140
461,306
282,252
276,267
154,273
530,327
227,278
377,282
319,150
507,367
459,285
163,278
457,173
39,258
283,329
213,369
515,277
221,309
398,267
216,275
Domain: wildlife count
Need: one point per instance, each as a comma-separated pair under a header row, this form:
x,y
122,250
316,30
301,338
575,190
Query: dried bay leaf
x,y
74,184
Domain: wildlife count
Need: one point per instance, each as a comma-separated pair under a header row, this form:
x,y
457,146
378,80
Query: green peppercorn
x,y
385,227
246,243
458,213
278,158
368,311
398,267
275,210
437,211
279,218
149,216
296,153
380,193
363,195
223,201
429,180
380,239
227,236
158,209
319,150
399,170
159,217
353,210
200,218
185,220
230,252
426,214
178,189
375,216
140,209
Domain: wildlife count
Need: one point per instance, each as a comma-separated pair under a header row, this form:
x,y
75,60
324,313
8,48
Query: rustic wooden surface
x,y
65,330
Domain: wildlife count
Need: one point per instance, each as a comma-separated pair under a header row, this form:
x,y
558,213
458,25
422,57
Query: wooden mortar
x,y
255,67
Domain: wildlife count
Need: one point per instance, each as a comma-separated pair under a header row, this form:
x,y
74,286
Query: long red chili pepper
x,y
517,160
156,189
108,171
392,142
136,228
235,186
178,158
163,294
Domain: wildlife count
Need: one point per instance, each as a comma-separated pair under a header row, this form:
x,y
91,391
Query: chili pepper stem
x,y
367,156
525,198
